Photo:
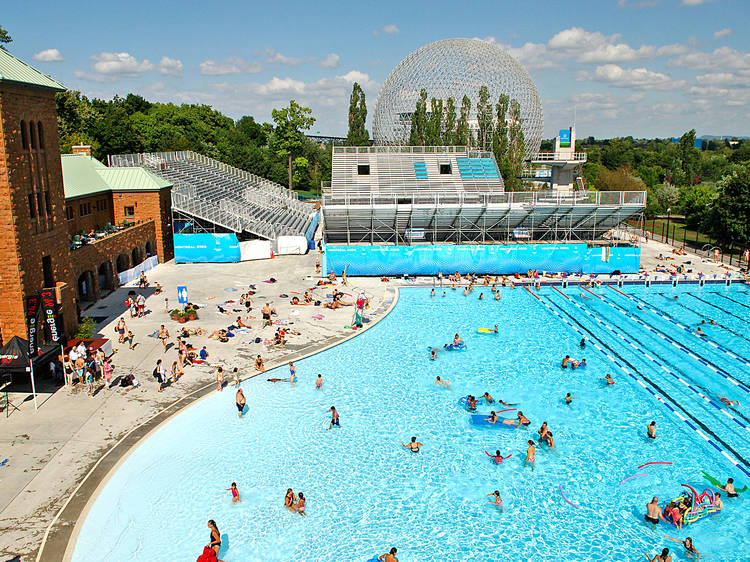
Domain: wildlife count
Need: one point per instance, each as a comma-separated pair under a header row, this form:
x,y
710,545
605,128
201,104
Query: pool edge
x,y
60,536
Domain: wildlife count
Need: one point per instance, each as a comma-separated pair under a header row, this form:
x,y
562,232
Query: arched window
x,y
41,134
24,136
32,130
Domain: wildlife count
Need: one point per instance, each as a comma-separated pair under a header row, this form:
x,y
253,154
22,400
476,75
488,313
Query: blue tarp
x,y
206,247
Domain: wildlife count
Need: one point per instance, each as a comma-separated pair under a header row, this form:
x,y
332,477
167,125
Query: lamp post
x,y
669,215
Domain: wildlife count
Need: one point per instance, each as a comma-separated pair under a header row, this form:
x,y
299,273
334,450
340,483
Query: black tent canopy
x,y
15,360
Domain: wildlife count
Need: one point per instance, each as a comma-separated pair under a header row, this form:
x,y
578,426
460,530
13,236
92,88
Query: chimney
x,y
82,149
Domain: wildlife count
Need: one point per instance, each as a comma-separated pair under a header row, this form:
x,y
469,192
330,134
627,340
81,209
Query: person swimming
x,y
235,492
433,354
530,453
334,417
432,293
609,380
488,398
565,361
441,382
496,500
471,402
498,458
492,418
457,341
569,398
583,343
319,382
413,445
651,430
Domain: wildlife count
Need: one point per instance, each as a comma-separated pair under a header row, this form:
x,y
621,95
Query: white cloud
x,y
721,58
271,56
331,61
390,29
170,66
672,50
727,31
635,79
724,79
89,77
232,65
694,2
120,64
49,55
534,56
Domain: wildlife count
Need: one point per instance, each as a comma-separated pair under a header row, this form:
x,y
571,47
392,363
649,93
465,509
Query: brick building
x,y
47,202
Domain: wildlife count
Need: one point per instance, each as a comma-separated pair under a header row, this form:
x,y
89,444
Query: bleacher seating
x,y
232,198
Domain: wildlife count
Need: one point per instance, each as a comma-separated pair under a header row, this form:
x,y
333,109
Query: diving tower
x,y
560,169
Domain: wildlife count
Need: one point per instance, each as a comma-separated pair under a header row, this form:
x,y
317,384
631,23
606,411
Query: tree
x,y
419,121
516,147
435,123
4,38
621,179
694,203
688,157
357,135
288,136
729,214
500,136
463,132
667,195
484,119
449,133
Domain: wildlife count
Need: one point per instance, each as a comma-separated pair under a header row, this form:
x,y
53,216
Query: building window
x,y
129,212
24,136
363,169
103,205
32,206
84,209
41,134
445,169
69,212
32,130
48,205
49,276
40,204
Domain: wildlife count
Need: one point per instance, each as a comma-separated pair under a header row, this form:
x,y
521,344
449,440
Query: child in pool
x,y
235,492
496,499
319,382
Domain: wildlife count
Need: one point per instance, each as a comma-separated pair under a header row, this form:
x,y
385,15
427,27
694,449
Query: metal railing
x,y
559,157
386,149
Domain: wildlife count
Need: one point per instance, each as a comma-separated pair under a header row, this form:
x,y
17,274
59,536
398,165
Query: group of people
x,y
85,366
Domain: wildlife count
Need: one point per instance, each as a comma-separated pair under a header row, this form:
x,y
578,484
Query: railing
x,y
559,157
507,199
385,149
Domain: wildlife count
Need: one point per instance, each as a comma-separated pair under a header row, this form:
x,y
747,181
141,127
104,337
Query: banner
x,y
32,311
49,310
564,138
206,248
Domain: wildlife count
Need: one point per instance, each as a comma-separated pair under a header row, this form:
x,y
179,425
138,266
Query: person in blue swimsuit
x,y
334,417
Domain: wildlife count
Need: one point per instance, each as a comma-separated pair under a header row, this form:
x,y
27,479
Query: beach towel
x,y
317,317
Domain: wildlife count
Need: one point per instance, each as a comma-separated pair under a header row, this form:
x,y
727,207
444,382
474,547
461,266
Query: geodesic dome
x,y
452,68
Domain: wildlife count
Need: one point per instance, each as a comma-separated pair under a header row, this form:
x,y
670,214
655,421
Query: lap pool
x,y
365,493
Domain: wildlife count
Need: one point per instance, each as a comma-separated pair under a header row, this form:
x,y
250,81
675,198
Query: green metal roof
x,y
15,70
84,175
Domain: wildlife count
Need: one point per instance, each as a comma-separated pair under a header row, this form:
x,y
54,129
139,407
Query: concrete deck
x,y
62,452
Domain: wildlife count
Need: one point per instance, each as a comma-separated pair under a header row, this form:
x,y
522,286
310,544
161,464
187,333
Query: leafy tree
x,y
357,135
288,136
516,148
694,203
500,134
687,156
667,196
435,122
5,38
728,218
619,152
651,175
621,179
418,134
741,154
115,133
484,119
449,133
463,132
75,113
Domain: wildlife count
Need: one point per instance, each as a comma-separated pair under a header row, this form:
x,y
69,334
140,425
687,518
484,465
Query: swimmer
x,y
501,401
488,398
565,361
235,492
608,379
319,382
729,402
432,293
413,445
214,537
497,457
718,503
522,420
481,296
651,430
569,398
700,332
443,293
497,296
389,556
729,488
471,402
334,417
583,343
441,382
492,418
575,364
663,557
289,499
653,512
457,340
433,354
240,401
688,544
495,499
530,453
300,507
292,373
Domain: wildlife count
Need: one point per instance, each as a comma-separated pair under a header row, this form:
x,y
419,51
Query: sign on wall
x,y
32,311
564,138
182,294
206,248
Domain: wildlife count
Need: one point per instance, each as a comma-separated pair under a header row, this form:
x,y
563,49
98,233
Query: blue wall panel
x,y
495,259
205,247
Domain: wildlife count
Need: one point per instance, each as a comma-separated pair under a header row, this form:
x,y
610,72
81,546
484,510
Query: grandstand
x,y
225,196
407,195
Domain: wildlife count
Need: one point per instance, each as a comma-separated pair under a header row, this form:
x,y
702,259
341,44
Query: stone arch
x,y
123,263
136,255
106,276
150,248
86,291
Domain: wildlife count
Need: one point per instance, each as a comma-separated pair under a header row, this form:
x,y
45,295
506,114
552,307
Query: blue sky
x,y
647,68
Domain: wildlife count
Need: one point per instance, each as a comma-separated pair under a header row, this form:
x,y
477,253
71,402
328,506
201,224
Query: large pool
x,y
365,493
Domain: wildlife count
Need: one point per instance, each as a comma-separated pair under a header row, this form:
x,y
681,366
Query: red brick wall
x,y
149,205
101,213
24,240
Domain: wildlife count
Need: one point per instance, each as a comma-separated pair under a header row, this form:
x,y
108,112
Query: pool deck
x,y
61,453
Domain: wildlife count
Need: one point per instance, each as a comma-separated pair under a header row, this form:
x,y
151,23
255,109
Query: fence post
x,y
684,237
731,247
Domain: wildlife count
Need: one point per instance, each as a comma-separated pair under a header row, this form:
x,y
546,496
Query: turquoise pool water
x,y
365,493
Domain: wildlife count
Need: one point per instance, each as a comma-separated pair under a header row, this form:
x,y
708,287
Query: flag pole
x,y
33,388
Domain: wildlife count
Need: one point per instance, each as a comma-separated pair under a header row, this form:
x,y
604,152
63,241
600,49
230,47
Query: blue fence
x,y
493,259
205,248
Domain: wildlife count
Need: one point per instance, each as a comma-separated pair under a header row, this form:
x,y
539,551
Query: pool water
x,y
366,493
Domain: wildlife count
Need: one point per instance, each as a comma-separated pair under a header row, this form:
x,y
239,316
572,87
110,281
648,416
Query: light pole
x,y
669,215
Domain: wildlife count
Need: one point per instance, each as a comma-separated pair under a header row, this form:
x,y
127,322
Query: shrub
x,y
86,328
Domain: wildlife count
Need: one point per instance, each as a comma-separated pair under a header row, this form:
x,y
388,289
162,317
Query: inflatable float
x,y
463,401
703,506
456,347
716,482
486,331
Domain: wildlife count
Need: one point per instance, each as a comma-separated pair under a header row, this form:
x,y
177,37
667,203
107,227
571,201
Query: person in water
x,y
608,379
214,539
565,361
492,418
432,293
569,398
457,341
651,430
576,364
389,556
235,492
481,296
497,457
334,417
663,557
319,382
729,402
289,499
496,500
521,420
546,435
729,488
583,343
240,401
292,373
653,512
413,445
300,507
471,402
688,544
530,453
488,398
433,354
442,382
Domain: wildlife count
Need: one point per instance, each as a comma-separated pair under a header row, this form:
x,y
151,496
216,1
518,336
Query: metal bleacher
x,y
226,196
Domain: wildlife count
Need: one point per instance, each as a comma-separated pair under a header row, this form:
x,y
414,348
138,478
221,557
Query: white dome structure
x,y
452,68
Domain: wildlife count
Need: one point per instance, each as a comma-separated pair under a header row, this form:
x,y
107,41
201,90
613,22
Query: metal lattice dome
x,y
452,68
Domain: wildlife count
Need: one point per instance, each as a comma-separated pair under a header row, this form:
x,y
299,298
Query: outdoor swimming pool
x,y
365,493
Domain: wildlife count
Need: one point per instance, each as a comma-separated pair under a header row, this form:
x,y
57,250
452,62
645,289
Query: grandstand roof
x,y
84,175
15,70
